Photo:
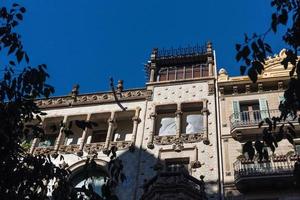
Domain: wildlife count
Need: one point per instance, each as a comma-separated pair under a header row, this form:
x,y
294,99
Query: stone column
x,y
33,145
195,163
110,131
35,141
61,136
152,72
210,59
84,135
153,64
205,122
178,114
136,120
150,144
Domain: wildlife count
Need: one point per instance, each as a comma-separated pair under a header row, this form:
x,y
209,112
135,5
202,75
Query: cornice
x,y
95,98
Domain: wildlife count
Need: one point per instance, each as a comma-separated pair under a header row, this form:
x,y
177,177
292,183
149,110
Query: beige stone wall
x,y
232,148
176,94
130,160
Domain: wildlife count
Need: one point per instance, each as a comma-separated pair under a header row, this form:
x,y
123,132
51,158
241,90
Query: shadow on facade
x,y
146,177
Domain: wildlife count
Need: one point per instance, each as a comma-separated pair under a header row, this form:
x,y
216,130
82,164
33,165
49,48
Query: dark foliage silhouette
x,y
26,176
253,53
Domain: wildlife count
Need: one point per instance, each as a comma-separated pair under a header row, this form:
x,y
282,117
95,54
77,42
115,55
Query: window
x,y
188,72
171,73
124,126
165,123
182,72
99,136
250,110
52,128
99,132
92,177
177,164
163,74
76,131
192,119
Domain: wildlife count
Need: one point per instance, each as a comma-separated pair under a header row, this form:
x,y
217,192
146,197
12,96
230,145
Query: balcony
x,y
245,124
174,185
274,173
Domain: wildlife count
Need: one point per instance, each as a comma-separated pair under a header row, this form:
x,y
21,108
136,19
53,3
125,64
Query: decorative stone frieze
x,y
211,89
72,148
248,88
234,89
44,150
99,98
280,85
171,139
260,87
93,148
121,144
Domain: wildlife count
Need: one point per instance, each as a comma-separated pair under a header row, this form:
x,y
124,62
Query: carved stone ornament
x,y
150,145
73,148
171,139
44,150
195,164
211,89
99,98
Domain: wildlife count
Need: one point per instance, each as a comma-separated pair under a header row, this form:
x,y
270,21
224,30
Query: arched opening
x,y
88,176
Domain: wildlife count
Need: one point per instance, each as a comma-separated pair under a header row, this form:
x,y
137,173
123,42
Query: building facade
x,y
186,125
243,106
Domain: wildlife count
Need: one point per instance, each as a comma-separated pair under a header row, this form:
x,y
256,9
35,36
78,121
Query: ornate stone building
x,y
243,106
165,133
186,127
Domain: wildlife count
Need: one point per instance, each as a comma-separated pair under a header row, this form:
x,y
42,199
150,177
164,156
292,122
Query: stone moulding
x,y
73,148
93,148
97,98
171,139
44,150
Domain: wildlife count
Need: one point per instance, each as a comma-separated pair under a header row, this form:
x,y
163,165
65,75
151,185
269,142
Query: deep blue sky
x,y
85,42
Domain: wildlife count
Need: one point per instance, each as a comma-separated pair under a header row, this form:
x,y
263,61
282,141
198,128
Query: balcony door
x,y
250,111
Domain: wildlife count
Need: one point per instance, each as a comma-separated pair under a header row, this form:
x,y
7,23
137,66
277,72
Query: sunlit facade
x,y
186,126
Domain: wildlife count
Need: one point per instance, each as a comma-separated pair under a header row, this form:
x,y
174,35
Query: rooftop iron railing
x,y
176,52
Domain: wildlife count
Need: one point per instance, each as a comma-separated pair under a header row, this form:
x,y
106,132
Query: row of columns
x,y
111,128
178,116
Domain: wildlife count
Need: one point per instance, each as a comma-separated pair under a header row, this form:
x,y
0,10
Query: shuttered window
x,y
236,110
263,107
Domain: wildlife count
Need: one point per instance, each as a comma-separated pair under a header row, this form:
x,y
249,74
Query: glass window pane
x,y
167,126
171,74
163,75
188,72
204,70
194,123
196,71
180,73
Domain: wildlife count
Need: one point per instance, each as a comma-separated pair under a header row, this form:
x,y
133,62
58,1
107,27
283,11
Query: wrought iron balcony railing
x,y
276,166
252,118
